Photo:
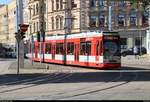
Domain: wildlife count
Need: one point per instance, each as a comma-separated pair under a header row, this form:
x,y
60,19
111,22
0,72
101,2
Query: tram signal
x,y
19,35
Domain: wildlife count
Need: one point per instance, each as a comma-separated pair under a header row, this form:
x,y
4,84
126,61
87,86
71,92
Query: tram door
x,y
98,50
53,51
76,52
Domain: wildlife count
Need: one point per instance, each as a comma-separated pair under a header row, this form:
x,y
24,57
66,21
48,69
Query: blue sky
x,y
4,1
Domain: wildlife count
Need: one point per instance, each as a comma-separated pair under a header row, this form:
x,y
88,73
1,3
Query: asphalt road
x,y
75,83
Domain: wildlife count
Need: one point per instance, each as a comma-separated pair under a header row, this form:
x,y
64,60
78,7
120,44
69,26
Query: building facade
x,y
127,17
8,23
3,23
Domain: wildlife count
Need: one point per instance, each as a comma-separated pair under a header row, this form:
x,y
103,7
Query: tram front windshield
x,y
111,46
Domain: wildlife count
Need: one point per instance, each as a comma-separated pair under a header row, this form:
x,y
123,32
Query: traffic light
x,y
38,36
22,35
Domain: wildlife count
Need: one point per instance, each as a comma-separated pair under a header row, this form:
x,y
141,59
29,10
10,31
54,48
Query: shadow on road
x,y
123,74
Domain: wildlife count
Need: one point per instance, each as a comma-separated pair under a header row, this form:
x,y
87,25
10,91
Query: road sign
x,y
23,27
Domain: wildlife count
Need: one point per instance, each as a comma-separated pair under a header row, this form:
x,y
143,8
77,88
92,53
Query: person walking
x,y
135,51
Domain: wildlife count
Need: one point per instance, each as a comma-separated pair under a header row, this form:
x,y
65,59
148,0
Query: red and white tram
x,y
90,49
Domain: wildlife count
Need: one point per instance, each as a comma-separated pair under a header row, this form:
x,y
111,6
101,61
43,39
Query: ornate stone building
x,y
8,23
127,17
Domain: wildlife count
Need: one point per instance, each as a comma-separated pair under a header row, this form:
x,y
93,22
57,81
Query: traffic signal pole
x,y
20,44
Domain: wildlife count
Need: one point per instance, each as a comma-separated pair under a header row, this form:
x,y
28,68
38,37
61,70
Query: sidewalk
x,y
142,61
38,67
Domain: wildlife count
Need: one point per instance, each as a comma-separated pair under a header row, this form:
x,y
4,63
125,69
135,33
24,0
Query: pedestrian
x,y
135,51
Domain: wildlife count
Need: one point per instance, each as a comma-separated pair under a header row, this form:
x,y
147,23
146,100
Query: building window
x,y
37,8
61,22
59,48
121,20
145,17
57,4
112,3
137,41
93,21
133,19
52,5
70,48
92,3
52,19
61,4
123,42
121,3
48,48
33,10
85,48
101,2
57,23
37,25
34,27
101,20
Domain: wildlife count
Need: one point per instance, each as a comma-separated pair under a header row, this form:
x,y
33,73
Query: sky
x,y
4,1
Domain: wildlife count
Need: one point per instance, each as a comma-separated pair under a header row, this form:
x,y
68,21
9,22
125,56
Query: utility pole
x,y
19,19
42,28
68,20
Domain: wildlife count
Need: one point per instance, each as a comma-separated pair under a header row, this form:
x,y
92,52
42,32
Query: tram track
x,y
111,86
59,77
89,90
54,76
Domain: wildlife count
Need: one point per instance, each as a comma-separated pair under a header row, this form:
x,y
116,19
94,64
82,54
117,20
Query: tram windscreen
x,y
111,45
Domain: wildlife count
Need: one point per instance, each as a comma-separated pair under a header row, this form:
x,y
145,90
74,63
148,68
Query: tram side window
x,y
59,48
85,48
40,47
48,48
70,48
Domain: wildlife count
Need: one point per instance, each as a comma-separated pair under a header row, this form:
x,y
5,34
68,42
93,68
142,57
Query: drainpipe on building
x,y
109,18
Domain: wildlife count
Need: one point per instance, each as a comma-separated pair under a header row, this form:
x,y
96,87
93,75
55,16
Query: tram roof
x,y
80,35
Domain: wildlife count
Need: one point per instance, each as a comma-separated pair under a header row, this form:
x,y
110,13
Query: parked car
x,y
130,51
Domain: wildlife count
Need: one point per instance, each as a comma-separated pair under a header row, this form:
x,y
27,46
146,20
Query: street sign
x,y
23,27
